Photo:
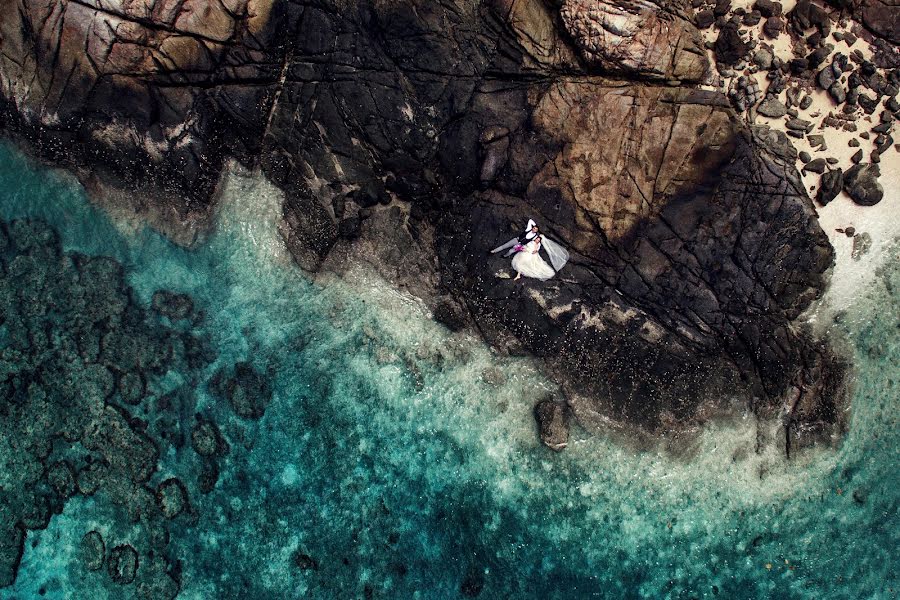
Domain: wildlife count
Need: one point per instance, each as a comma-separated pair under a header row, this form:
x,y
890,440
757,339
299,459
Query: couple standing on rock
x,y
527,261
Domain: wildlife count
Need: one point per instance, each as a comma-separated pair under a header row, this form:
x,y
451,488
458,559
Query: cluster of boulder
x,y
861,87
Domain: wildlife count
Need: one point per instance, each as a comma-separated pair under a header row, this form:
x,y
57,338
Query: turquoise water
x,y
404,459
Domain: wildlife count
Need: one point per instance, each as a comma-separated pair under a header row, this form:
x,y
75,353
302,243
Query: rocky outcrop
x,y
419,134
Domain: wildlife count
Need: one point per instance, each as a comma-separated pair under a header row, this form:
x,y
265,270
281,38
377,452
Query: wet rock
x,y
122,564
830,185
245,388
173,305
861,184
772,107
451,313
553,423
171,496
92,551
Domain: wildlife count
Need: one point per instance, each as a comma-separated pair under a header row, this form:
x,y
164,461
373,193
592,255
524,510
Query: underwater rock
x,y
122,564
206,440
553,423
131,387
246,389
92,551
61,477
172,305
12,545
171,497
305,562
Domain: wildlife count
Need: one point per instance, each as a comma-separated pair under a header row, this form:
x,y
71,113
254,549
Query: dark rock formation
x,y
421,134
830,185
553,424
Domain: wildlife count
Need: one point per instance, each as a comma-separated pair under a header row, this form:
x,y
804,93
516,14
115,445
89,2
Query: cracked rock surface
x,y
433,130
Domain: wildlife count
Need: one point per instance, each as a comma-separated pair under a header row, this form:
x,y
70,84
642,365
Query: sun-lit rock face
x,y
637,37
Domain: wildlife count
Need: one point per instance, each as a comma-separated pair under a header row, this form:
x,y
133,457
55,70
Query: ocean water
x,y
404,459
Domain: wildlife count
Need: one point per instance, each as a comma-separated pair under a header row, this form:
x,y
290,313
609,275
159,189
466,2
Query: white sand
x,y
881,222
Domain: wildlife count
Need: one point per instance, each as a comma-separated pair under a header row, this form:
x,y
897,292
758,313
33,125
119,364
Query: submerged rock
x,y
245,388
64,395
172,305
122,564
92,551
171,497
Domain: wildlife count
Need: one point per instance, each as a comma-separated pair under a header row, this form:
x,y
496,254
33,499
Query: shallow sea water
x,y
390,457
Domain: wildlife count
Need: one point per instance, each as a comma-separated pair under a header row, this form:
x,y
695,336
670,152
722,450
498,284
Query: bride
x,y
527,262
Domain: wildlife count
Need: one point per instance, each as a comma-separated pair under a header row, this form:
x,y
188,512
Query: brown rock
x,y
636,37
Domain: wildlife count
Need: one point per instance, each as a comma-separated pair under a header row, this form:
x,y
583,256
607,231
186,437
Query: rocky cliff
x,y
423,132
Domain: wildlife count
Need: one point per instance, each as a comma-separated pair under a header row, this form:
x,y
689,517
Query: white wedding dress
x,y
530,264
